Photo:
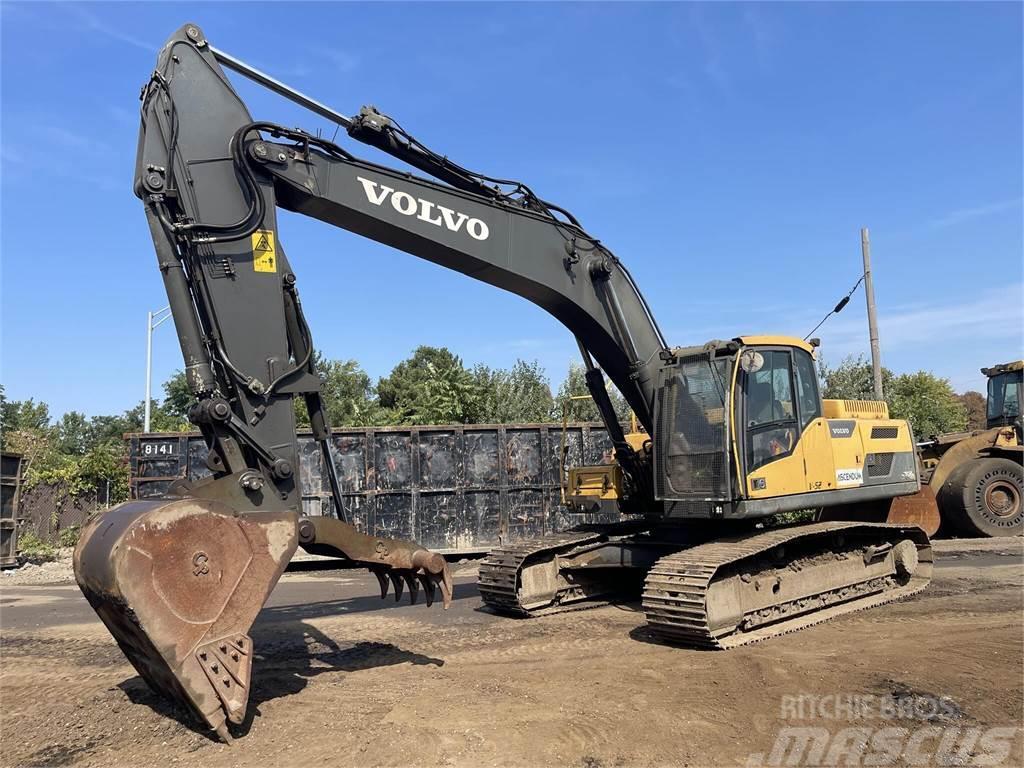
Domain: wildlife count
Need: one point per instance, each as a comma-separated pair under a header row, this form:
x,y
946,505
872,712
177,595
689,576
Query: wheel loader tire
x,y
986,497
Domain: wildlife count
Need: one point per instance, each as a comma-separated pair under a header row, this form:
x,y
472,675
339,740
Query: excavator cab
x,y
745,433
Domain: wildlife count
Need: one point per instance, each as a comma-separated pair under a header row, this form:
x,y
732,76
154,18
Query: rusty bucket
x,y
918,509
179,583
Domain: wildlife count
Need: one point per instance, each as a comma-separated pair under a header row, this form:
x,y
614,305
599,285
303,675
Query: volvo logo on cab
x,y
424,210
842,427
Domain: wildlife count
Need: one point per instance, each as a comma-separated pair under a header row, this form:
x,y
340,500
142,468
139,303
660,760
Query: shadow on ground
x,y
287,657
346,606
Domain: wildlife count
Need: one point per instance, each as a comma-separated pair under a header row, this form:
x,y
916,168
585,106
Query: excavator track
x,y
500,579
729,593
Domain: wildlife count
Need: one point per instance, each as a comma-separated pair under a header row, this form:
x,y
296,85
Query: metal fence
x,y
455,489
47,511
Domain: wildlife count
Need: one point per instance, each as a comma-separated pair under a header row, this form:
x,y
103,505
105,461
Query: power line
x,y
838,307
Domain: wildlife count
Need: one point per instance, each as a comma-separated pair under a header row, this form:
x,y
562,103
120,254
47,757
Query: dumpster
x,y
456,489
10,492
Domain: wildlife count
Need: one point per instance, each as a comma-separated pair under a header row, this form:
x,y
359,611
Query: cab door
x,y
815,438
787,445
774,465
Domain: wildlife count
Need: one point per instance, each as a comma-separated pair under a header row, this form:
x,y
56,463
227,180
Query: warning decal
x,y
264,256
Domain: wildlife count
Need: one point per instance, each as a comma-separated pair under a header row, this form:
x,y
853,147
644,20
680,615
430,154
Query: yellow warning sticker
x,y
264,256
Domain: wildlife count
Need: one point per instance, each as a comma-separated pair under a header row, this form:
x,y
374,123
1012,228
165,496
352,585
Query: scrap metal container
x,y
10,492
455,489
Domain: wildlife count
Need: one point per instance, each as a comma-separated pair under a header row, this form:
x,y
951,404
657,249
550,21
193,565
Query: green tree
x,y
925,400
430,387
73,433
112,428
975,406
77,454
16,415
347,392
852,379
575,384
518,395
177,397
928,402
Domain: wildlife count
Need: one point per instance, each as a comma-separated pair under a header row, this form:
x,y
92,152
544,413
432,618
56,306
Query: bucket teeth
x,y
394,560
396,582
383,579
414,588
228,667
415,580
428,588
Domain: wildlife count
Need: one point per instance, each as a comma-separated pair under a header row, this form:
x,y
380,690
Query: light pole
x,y
153,321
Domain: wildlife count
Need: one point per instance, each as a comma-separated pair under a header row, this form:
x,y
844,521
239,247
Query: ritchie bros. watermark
x,y
898,729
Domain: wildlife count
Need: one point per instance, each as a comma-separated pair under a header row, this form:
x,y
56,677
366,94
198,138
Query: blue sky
x,y
728,153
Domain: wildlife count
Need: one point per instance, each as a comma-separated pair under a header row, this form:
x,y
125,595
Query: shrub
x,y
34,549
69,536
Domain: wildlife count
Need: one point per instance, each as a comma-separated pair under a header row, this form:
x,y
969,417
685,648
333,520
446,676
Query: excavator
x,y
736,430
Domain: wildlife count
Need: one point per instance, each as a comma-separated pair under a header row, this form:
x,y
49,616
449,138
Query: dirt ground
x,y
343,679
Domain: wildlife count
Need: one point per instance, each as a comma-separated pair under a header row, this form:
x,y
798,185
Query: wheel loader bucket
x,y
179,583
920,509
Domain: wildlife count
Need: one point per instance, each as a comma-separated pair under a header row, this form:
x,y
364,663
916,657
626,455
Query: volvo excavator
x,y
736,430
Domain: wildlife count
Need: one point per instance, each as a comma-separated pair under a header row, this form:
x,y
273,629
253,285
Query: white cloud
x,y
966,214
997,314
343,61
92,23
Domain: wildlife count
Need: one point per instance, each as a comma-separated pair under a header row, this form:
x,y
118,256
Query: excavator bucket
x,y
179,583
920,509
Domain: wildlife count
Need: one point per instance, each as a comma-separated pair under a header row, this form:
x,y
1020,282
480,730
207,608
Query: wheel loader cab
x,y
744,432
1005,385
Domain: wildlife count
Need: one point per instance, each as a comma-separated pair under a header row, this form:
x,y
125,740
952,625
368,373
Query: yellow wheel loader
x,y
977,477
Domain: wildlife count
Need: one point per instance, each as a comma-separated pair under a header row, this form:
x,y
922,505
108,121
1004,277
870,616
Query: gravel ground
x,y
58,571
343,679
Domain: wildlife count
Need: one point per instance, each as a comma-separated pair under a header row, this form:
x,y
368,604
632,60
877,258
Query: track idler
x,y
178,584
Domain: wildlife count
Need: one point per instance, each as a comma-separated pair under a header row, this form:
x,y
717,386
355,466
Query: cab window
x,y
769,394
770,412
806,388
1004,396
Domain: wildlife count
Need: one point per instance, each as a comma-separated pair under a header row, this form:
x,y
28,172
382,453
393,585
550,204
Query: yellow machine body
x,y
845,456
854,439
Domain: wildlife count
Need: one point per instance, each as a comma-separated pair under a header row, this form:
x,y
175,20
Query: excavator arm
x,y
179,581
211,179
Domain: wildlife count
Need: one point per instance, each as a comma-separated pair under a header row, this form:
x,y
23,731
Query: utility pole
x,y
869,294
159,317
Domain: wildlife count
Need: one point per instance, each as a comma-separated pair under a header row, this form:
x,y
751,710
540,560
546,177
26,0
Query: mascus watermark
x,y
906,729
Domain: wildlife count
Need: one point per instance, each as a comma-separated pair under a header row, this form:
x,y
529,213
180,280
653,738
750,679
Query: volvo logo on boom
x,y
424,210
